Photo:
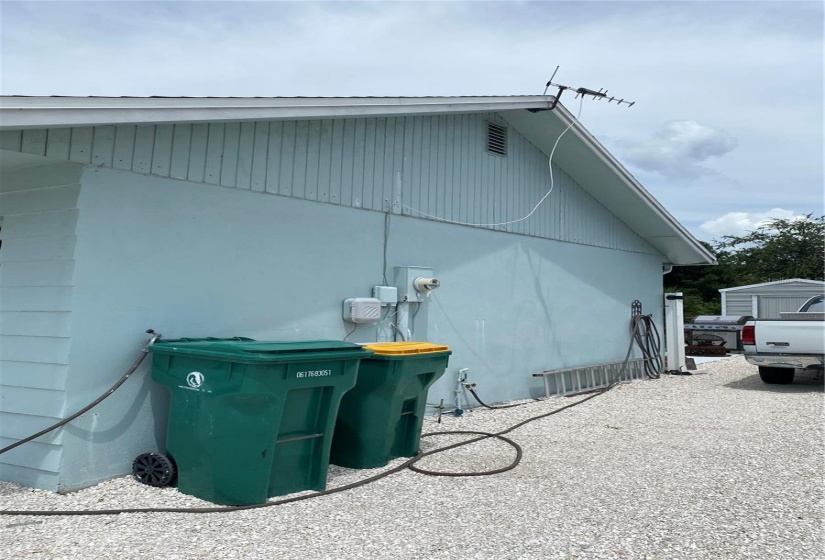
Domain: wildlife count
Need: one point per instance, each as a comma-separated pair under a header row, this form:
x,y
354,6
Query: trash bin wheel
x,y
153,469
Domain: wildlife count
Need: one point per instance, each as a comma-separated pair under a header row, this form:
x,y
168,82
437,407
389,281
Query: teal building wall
x,y
262,230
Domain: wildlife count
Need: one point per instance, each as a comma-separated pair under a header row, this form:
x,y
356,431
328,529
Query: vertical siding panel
x,y
144,146
299,174
229,161
564,220
34,142
516,181
416,160
499,166
246,143
391,164
400,171
162,153
103,145
487,173
325,148
499,190
408,179
449,167
273,166
260,156
446,156
465,194
287,170
574,204
538,181
358,162
424,144
523,179
197,152
480,160
429,139
380,161
12,140
446,171
561,219
558,189
58,143
337,161
313,159
554,209
347,162
181,144
411,184
214,154
460,189
581,209
124,150
530,175
436,166
368,180
496,165
542,219
81,150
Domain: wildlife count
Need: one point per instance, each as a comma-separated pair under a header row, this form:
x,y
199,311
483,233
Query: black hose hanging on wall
x,y
90,406
647,338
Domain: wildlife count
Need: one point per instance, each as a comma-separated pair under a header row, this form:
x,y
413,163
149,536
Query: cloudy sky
x,y
727,129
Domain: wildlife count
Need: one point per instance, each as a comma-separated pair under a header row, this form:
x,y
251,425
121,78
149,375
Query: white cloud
x,y
677,149
740,223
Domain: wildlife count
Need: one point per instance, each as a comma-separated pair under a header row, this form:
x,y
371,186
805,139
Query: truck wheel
x,y
776,375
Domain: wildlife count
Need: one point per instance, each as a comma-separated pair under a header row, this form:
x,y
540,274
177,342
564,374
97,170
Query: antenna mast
x,y
583,92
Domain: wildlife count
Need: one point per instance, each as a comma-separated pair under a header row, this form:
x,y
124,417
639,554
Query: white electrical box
x,y
387,295
362,310
405,277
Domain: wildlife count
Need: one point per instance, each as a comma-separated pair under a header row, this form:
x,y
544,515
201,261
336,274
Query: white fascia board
x,y
788,281
55,112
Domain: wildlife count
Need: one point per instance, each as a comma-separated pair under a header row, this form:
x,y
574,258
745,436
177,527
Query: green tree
x,y
700,285
777,250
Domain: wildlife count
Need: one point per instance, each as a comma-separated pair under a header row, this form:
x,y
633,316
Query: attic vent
x,y
496,139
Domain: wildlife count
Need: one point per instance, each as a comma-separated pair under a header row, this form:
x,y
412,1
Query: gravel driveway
x,y
714,465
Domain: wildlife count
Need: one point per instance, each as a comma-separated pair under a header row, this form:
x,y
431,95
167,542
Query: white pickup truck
x,y
781,346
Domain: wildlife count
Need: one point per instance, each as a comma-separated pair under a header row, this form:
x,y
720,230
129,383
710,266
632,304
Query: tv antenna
x,y
599,95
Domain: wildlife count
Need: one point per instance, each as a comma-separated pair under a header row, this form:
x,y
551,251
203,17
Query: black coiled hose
x,y
647,338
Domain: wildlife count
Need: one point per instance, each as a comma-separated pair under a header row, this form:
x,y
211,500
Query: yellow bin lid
x,y
401,348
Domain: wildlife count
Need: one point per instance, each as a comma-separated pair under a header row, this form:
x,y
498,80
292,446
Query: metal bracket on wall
x,y
636,308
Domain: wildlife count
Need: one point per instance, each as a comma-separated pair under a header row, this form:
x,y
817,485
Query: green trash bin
x,y
381,417
249,420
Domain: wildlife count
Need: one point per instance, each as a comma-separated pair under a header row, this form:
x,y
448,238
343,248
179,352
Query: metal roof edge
x,y
786,281
54,112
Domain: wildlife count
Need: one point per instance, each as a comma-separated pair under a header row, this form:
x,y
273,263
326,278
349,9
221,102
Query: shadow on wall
x,y
143,388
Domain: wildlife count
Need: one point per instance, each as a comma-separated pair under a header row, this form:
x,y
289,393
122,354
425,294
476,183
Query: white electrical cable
x,y
536,207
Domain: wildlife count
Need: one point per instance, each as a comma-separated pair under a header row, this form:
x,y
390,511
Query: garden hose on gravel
x,y
641,335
